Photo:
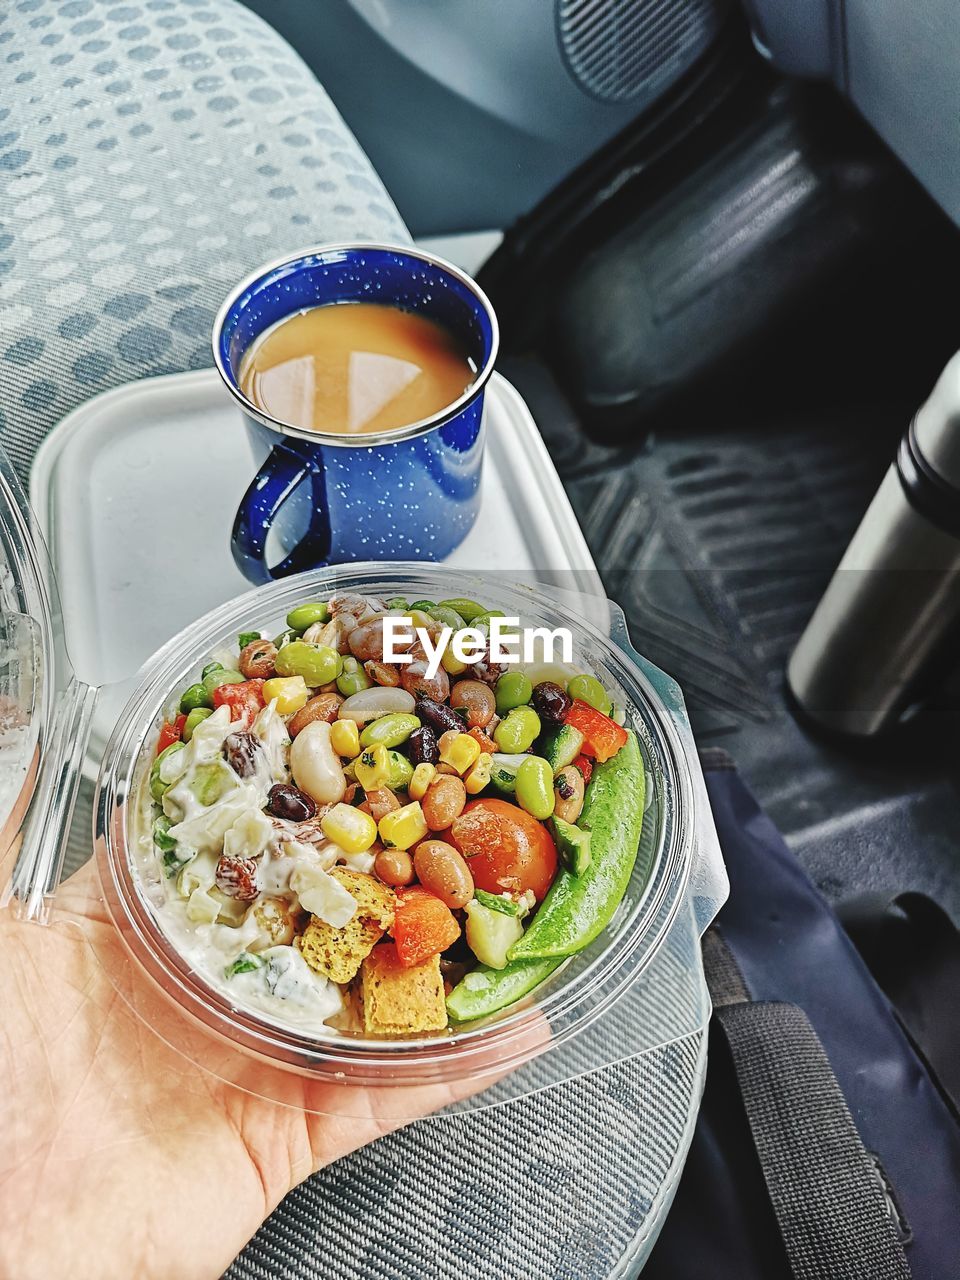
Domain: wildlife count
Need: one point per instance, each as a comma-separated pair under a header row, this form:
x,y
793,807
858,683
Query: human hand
x,y
119,1156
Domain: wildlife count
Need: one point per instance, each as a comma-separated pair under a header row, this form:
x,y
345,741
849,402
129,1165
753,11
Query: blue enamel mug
x,y
325,498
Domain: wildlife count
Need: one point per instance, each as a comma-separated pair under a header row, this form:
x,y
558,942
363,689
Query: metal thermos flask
x,y
887,630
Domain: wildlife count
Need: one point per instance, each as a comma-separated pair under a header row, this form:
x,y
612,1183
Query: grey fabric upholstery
x,y
150,154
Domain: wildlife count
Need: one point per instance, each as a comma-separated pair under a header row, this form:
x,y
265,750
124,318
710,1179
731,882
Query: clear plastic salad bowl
x,y
638,986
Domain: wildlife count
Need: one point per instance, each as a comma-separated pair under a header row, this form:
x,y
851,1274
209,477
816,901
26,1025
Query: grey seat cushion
x,y
150,155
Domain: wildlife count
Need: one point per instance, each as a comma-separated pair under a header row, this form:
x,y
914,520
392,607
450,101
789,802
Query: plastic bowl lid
x,y
571,1000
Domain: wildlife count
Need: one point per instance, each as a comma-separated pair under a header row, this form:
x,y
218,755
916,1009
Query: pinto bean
x,y
478,699
325,706
444,801
257,659
441,869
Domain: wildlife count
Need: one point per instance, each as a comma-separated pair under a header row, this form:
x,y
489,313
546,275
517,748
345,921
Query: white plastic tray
x,y
136,490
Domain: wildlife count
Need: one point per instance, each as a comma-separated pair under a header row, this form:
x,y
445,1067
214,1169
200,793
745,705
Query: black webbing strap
x,y
826,1192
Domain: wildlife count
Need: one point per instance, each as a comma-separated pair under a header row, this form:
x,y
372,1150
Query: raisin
x,y
286,801
237,878
242,751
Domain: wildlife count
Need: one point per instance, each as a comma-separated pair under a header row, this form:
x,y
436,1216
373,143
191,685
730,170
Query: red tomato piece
x,y
505,847
586,768
423,925
245,700
602,737
170,733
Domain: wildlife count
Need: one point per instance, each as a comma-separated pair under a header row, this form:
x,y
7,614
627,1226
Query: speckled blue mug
x,y
323,498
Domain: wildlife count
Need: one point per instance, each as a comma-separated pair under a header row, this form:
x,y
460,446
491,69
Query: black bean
x,y
550,702
438,716
241,752
291,803
422,746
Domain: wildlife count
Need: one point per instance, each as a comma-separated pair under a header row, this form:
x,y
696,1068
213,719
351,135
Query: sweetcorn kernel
x,y
404,827
290,692
350,828
372,767
345,738
478,775
423,775
459,750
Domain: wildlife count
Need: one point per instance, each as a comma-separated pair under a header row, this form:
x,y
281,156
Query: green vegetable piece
x,y
305,615
247,637
486,991
578,907
468,610
517,731
209,782
195,696
246,962
401,771
513,690
560,746
589,689
389,730
285,637
317,663
398,602
423,605
161,837
214,679
196,716
447,617
157,786
535,787
496,903
352,678
573,845
211,666
490,934
503,772
483,619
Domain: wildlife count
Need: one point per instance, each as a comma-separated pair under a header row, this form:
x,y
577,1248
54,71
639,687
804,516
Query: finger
x,y
12,831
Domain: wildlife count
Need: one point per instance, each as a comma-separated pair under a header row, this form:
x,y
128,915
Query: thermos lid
x,y
936,429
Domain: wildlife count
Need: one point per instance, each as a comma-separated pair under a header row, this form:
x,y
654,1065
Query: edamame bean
x,y
397,602
513,690
447,617
214,679
318,664
194,697
535,787
469,610
352,678
401,772
483,619
517,731
195,717
389,730
588,689
305,615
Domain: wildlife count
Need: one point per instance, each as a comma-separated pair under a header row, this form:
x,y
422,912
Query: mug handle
x,y
270,488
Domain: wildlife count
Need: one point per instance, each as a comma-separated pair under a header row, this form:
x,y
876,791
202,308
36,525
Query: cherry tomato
x,y
423,925
505,847
245,700
170,733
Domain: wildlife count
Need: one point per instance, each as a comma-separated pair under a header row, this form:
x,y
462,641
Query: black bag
x,y
826,1147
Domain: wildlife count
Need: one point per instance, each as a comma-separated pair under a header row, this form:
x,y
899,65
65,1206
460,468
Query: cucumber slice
x,y
560,746
486,991
503,772
573,845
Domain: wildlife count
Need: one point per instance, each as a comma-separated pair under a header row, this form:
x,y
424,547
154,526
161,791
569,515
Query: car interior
x,y
720,238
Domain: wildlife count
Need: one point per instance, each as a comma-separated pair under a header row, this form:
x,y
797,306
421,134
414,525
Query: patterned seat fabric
x,y
150,155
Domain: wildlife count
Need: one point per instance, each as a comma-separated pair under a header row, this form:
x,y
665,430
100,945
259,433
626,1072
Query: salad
x,y
344,843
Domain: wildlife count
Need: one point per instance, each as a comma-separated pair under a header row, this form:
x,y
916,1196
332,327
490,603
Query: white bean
x,y
369,704
315,766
